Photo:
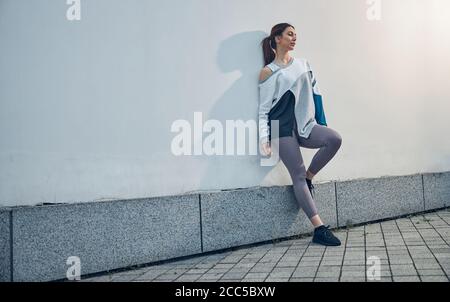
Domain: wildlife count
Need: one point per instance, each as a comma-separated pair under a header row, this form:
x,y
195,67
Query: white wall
x,y
86,107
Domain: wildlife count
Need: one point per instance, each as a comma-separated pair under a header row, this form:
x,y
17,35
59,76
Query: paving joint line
x,y
407,248
386,249
343,255
277,263
434,257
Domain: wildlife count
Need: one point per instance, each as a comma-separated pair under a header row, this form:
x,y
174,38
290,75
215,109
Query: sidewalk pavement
x,y
415,248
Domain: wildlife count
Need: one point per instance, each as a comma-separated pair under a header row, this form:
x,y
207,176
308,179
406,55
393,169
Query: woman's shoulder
x,y
270,68
265,73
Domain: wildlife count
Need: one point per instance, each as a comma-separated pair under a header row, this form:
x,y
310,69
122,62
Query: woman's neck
x,y
283,59
282,62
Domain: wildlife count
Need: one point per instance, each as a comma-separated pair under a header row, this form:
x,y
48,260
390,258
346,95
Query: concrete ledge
x,y
234,218
105,235
118,234
373,199
5,246
436,190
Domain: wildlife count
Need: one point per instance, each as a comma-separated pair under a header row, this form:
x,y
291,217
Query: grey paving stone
x,y
105,278
352,279
382,257
333,257
355,244
305,272
331,262
336,251
354,268
197,271
326,279
419,249
406,279
255,275
231,260
166,277
328,271
311,258
261,269
301,279
382,279
287,264
290,259
376,250
223,266
422,256
286,274
426,264
434,279
150,275
283,270
382,262
206,280
248,259
354,262
353,274
270,279
204,265
399,255
245,265
354,258
218,270
210,276
317,248
403,270
188,277
253,280
303,264
400,260
385,271
431,272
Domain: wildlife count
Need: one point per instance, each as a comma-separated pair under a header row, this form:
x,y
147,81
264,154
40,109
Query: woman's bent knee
x,y
336,140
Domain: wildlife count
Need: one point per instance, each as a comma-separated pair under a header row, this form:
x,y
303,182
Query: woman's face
x,y
287,40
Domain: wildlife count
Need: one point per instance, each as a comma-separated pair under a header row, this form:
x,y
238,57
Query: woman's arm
x,y
266,91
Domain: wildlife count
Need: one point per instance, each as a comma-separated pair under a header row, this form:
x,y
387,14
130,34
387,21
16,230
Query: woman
x,y
288,92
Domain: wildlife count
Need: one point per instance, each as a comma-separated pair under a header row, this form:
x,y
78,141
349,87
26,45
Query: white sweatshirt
x,y
298,77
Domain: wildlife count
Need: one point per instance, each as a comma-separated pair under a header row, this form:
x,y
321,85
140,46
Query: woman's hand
x,y
267,150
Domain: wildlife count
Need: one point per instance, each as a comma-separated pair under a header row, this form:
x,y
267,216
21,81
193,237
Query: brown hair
x,y
269,44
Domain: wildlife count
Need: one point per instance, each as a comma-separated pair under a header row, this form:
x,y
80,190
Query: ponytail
x,y
268,46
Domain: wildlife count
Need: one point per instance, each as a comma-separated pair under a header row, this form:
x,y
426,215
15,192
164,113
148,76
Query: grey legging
x,y
328,140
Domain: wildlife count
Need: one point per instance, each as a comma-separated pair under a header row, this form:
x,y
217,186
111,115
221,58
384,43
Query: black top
x,y
284,112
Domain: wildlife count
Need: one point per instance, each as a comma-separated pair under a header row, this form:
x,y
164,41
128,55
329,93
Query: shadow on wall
x,y
240,52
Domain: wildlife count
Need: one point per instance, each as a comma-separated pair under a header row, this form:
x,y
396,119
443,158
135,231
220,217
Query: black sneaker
x,y
310,186
323,235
